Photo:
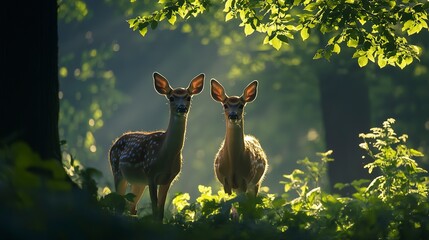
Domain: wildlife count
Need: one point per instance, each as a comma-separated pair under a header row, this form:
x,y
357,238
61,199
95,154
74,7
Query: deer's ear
x,y
161,84
250,92
196,85
217,91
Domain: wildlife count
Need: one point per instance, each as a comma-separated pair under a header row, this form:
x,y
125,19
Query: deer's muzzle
x,y
182,109
233,116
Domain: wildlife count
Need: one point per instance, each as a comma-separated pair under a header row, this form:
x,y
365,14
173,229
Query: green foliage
x,y
400,174
393,206
23,170
311,213
375,29
88,97
83,177
171,11
72,10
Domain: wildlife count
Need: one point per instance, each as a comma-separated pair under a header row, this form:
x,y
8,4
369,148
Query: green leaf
x,y
319,54
296,206
362,61
312,194
304,33
310,7
352,43
229,16
423,23
407,25
290,27
228,4
416,153
416,49
172,19
337,49
266,40
143,31
402,64
276,43
408,60
283,38
153,24
248,29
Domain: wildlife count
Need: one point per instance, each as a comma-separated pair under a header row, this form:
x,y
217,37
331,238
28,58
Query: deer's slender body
x,y
241,163
154,159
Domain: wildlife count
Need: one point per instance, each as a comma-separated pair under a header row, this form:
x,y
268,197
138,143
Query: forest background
x,y
305,106
106,89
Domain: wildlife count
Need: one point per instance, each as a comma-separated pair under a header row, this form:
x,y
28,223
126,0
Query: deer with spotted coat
x,y
154,159
241,163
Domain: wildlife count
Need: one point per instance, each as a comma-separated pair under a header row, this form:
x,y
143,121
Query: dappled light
x,y
335,142
116,65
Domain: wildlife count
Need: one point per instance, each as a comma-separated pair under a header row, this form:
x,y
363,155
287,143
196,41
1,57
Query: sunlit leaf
x,y
276,43
362,61
229,16
228,4
407,25
352,43
248,29
172,19
304,33
402,64
416,153
143,31
381,62
319,54
408,60
336,48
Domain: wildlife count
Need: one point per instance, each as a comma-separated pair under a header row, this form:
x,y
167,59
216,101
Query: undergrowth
x,y
394,205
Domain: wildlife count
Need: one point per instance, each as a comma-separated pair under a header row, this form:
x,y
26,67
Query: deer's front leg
x,y
153,190
227,186
162,196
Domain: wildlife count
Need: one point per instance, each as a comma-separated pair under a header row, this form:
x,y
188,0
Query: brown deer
x,y
154,158
241,163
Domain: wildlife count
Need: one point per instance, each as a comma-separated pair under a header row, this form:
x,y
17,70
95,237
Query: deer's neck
x,y
174,136
234,139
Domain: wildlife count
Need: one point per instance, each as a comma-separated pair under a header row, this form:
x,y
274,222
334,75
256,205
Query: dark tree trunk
x,y
29,86
346,113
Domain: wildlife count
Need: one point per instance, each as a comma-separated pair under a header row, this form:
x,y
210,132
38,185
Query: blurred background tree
x,y
304,106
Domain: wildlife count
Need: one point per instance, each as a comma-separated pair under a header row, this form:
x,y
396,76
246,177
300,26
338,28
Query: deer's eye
x,y
241,106
188,98
171,99
225,106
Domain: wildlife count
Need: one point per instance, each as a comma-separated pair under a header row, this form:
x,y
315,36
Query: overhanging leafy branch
x,y
378,31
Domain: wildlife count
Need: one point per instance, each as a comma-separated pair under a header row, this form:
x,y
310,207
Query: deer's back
x,y
135,152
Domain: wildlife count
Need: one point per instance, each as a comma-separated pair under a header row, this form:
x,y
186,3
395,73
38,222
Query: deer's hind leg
x,y
121,186
137,190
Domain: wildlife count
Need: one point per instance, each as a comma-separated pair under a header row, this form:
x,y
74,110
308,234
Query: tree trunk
x,y
346,113
29,86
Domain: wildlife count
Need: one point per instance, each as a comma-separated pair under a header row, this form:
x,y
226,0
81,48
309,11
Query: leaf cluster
x,y
170,11
376,30
394,205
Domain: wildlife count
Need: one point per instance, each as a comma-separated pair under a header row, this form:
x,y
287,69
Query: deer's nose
x,y
182,109
233,116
